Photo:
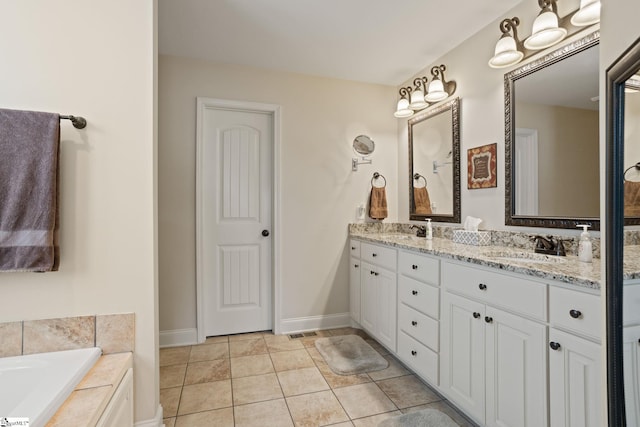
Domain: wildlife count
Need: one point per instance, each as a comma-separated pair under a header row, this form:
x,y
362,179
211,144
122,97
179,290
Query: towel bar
x,y
77,121
417,176
377,175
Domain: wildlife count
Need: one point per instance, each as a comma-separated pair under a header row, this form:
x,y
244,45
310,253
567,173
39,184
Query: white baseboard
x,y
156,421
303,324
178,337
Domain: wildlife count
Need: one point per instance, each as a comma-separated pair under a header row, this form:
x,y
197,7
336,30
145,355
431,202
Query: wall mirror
x,y
552,139
434,163
622,248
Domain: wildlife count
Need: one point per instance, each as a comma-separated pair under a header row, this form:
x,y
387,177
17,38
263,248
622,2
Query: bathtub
x,y
36,385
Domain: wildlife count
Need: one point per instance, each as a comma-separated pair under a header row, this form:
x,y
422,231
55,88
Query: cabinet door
x,y
386,286
516,370
354,289
462,354
368,298
575,392
631,345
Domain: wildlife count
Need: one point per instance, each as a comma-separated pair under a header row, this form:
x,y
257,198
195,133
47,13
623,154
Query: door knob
x,y
265,233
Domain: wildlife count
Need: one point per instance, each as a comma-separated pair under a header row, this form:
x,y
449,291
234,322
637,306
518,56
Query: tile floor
x,y
261,379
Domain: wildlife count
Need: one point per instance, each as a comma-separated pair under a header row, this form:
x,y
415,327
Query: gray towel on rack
x,y
29,143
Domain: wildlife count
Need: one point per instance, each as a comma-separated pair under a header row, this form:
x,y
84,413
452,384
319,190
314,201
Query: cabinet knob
x,y
415,267
353,248
414,353
375,274
488,319
372,272
414,292
356,265
575,313
414,323
476,315
554,345
375,255
482,287
265,233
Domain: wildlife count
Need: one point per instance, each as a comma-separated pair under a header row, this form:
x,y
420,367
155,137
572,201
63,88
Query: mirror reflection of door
x,y
526,173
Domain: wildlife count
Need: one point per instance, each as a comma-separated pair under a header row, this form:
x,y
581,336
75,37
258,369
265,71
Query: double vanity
x,y
510,337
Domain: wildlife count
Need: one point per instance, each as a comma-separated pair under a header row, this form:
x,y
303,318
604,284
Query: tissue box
x,y
475,238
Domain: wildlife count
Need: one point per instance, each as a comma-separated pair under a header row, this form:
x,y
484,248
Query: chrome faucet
x,y
422,230
546,245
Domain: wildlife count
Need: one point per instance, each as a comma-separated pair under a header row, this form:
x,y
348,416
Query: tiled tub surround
x,y
567,269
113,333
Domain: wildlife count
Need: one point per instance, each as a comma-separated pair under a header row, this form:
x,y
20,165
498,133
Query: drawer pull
x,y
488,319
374,255
414,323
482,287
476,315
415,267
575,313
554,345
414,292
414,353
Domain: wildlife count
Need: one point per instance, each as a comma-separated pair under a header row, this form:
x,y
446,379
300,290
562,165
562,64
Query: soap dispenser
x,y
429,235
584,246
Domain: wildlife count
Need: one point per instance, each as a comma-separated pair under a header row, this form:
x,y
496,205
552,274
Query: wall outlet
x,y
360,212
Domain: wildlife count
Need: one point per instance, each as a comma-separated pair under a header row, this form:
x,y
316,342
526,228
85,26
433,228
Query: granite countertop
x,y
564,269
88,401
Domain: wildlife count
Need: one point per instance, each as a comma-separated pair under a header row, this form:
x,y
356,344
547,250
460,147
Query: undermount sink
x,y
408,237
526,257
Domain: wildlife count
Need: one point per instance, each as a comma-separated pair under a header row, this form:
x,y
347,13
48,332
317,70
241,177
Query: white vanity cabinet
x,y
493,345
631,351
419,313
574,358
378,294
354,280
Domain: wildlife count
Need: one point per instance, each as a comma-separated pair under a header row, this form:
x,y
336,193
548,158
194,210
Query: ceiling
x,y
374,41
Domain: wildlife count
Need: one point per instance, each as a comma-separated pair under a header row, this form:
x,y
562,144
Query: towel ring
x,y
377,175
637,166
417,176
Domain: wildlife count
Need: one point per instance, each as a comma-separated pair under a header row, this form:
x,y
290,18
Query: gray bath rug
x,y
424,418
350,354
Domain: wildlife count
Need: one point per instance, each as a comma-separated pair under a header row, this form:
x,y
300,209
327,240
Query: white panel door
x,y
368,298
235,190
516,385
462,354
575,391
354,288
387,290
631,346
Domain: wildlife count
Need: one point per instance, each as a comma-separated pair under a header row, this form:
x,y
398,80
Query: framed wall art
x,y
481,167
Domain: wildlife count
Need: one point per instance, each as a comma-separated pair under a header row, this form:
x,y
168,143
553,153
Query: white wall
x,y
94,59
481,90
319,192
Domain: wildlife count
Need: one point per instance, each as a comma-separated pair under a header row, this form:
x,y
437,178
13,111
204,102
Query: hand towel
x,y
29,143
378,203
422,201
632,198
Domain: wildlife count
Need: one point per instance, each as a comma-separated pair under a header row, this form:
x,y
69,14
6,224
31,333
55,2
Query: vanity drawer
x,y
354,247
419,267
423,361
379,255
576,311
418,326
420,296
518,295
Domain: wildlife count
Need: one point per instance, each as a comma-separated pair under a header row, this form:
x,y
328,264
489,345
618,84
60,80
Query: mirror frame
x,y
510,217
453,106
617,74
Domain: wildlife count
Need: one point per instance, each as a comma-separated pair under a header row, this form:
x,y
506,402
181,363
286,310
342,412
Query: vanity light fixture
x,y
403,109
588,14
414,99
546,31
417,96
509,48
439,88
